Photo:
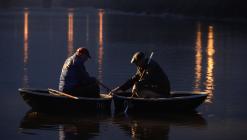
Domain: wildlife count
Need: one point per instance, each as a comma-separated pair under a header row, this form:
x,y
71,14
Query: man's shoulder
x,y
68,62
70,58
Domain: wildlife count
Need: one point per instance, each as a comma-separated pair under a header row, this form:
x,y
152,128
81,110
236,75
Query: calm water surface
x,y
197,55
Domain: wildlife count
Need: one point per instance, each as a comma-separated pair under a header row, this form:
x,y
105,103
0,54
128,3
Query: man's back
x,y
156,78
73,74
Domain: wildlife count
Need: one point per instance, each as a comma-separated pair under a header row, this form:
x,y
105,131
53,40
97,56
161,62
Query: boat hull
x,y
41,100
179,101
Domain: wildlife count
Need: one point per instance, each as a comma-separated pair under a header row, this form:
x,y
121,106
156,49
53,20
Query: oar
x,y
106,87
62,93
151,55
103,85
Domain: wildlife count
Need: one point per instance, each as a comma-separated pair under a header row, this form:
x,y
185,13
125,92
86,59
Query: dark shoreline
x,y
194,8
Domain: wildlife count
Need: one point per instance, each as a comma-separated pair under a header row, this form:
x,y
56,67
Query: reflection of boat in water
x,y
83,126
42,100
157,126
179,101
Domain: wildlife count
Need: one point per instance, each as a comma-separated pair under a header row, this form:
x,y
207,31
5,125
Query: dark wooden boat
x,y
179,101
42,100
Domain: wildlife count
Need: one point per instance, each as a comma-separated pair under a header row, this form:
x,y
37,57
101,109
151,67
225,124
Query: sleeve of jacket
x,y
130,82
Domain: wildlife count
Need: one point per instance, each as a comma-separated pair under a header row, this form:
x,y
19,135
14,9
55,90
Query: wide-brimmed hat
x,y
137,57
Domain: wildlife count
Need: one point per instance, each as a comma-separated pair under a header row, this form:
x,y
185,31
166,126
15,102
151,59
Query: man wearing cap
x,y
74,78
150,80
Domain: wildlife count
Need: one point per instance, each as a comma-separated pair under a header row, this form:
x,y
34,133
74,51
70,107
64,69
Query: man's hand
x,y
135,91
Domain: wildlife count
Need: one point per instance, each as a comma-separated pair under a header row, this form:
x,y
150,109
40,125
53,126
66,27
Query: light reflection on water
x,y
198,59
25,49
70,32
101,47
199,55
210,64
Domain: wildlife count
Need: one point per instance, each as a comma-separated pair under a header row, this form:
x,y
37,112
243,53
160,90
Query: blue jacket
x,y
73,74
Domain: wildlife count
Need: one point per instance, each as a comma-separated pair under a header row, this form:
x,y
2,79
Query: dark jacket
x,y
153,79
73,74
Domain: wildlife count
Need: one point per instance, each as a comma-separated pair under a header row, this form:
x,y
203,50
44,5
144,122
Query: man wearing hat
x,y
149,81
74,78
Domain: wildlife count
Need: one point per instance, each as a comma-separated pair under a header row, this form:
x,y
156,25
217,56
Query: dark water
x,y
196,54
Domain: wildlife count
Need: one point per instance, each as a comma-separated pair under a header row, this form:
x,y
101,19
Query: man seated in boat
x,y
150,81
74,78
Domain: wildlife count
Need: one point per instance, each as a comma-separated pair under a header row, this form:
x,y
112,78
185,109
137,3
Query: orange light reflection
x,y
25,48
198,57
70,31
100,49
134,130
210,64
